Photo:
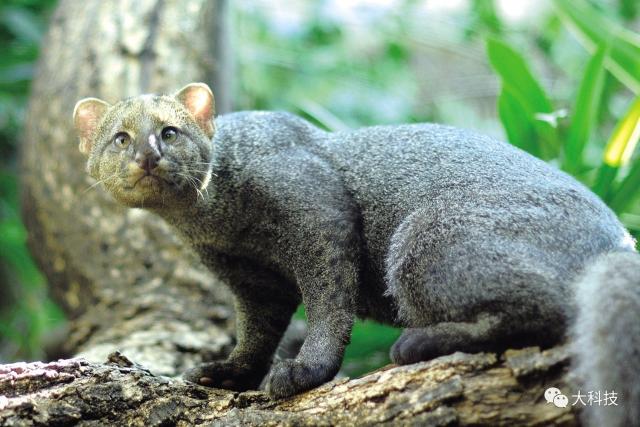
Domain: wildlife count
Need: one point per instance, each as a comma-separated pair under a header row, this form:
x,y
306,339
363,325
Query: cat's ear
x,y
86,117
198,100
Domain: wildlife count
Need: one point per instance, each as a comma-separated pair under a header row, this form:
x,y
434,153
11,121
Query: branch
x,y
459,389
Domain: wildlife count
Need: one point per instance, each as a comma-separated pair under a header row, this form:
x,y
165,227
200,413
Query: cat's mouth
x,y
148,180
145,180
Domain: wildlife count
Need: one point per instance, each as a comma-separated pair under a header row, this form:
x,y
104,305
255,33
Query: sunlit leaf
x,y
624,137
621,145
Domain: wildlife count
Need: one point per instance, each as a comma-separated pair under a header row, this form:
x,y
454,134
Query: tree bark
x,y
133,292
121,275
456,390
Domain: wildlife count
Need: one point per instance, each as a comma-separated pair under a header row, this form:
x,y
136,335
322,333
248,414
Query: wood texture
x,y
455,390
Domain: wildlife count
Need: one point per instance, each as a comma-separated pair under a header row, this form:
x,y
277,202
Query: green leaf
x,y
624,138
604,180
524,89
617,153
631,221
484,18
22,23
628,191
517,76
321,115
594,30
16,73
369,348
585,112
628,9
515,121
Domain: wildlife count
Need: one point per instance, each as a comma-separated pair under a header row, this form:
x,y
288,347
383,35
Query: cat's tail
x,y
606,339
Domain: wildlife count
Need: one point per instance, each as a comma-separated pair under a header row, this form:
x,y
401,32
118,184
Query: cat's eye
x,y
169,134
121,140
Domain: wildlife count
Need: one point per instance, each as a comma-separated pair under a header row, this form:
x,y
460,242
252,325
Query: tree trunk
x,y
124,279
128,284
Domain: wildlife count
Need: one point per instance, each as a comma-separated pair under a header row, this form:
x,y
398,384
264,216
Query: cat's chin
x,y
149,183
153,193
139,200
148,192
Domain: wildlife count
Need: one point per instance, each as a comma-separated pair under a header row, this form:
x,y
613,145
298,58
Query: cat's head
x,y
151,150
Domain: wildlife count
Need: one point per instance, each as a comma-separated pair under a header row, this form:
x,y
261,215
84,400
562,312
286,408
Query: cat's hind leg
x,y
460,288
418,344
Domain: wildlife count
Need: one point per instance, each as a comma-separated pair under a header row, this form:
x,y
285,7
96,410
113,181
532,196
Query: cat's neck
x,y
203,219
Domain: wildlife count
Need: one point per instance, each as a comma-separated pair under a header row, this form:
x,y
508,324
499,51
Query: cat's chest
x,y
257,240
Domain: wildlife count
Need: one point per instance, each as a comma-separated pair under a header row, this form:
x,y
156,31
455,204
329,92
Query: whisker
x,y
101,181
200,183
192,181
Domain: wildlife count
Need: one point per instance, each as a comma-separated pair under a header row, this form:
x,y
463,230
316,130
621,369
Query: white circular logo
x,y
550,393
555,396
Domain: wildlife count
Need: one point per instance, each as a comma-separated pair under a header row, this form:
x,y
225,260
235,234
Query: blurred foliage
x,y
533,123
25,311
568,85
332,72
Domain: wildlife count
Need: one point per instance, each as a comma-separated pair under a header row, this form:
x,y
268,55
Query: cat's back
x,y
471,185
408,163
263,133
394,170
474,183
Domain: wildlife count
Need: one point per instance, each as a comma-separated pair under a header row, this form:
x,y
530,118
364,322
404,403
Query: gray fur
x,y
468,242
606,337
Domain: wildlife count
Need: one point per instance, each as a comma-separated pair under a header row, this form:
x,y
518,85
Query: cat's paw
x,y
415,345
225,374
289,377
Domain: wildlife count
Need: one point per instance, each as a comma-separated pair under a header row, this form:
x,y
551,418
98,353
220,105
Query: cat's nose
x,y
147,161
148,154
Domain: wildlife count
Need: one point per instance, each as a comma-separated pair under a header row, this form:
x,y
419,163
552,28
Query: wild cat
x,y
467,242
